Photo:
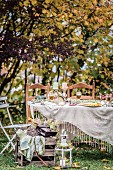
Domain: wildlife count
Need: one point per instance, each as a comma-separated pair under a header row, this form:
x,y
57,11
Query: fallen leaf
x,y
105,160
105,167
57,167
76,165
103,149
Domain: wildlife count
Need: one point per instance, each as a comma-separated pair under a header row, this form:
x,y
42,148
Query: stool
x,y
62,161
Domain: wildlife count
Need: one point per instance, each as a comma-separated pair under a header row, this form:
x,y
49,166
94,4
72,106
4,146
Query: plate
x,y
91,104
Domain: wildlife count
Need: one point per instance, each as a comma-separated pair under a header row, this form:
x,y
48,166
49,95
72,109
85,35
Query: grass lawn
x,y
84,158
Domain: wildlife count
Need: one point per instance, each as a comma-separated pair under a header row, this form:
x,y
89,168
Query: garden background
x,y
54,40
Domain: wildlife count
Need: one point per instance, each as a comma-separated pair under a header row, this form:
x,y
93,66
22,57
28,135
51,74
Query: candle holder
x,y
64,89
56,95
55,85
64,93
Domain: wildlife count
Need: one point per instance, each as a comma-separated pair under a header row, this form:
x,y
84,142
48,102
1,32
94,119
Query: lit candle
x,y
55,85
64,85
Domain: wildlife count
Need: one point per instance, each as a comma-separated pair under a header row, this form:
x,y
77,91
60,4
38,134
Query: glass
x,y
51,95
108,97
78,95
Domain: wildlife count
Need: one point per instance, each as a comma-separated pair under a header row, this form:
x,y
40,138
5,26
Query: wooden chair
x,y
81,86
30,97
81,136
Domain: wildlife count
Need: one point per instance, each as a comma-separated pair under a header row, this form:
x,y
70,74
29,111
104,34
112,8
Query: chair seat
x,y
2,106
17,126
11,139
3,98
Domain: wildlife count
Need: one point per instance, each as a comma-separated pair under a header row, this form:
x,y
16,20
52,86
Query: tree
x,y
66,34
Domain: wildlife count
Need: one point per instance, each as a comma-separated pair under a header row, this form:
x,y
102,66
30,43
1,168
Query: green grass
x,y
86,157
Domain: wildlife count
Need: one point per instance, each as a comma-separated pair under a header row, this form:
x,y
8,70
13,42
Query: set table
x,y
94,121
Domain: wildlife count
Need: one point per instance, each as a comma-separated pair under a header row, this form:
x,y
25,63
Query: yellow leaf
x,y
57,168
44,11
75,11
105,167
60,26
102,76
85,17
76,165
26,3
100,20
80,52
47,1
70,15
66,31
34,2
36,14
105,85
95,27
85,23
95,40
105,160
50,65
94,2
54,14
62,39
21,4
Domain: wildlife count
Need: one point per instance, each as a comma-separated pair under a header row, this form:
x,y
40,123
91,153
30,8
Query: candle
x,y
62,162
64,85
55,85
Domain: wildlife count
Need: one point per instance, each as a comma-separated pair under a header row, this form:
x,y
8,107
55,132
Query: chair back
x,y
5,105
31,94
82,86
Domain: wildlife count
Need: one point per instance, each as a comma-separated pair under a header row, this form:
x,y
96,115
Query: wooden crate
x,y
50,141
47,159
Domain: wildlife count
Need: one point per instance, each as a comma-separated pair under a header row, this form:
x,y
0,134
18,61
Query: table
x,y
94,121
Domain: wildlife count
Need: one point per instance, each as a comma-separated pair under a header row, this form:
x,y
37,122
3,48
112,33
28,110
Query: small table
x,y
62,161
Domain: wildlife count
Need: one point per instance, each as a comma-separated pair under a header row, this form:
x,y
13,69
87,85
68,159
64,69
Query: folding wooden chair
x,y
31,94
5,105
11,139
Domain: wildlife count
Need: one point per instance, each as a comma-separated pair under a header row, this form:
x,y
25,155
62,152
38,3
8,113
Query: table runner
x,y
94,121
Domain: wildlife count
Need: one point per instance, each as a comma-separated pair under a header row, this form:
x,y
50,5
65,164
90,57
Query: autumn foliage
x,y
73,36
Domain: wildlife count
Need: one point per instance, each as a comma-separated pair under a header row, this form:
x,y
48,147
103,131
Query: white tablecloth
x,y
94,121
